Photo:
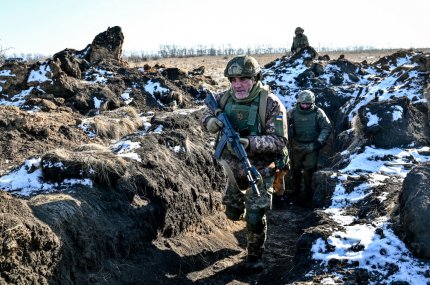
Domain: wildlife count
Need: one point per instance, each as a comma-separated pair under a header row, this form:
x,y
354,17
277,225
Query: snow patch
x,y
28,180
41,75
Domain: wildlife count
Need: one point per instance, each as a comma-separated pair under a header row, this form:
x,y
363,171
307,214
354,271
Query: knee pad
x,y
255,222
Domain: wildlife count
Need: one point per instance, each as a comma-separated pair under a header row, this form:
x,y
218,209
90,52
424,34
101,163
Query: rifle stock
x,y
230,136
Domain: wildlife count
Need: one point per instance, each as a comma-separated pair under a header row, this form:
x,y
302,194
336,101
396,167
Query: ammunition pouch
x,y
282,160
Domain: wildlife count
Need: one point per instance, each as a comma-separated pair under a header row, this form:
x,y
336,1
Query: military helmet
x,y
243,66
299,30
306,96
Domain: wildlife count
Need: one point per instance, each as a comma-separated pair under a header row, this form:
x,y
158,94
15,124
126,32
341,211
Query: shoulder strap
x,y
224,99
318,113
264,94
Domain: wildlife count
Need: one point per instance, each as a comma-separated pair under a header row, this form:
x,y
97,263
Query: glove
x,y
243,141
317,145
214,125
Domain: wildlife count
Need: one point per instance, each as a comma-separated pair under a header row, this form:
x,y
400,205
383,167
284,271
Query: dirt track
x,y
226,265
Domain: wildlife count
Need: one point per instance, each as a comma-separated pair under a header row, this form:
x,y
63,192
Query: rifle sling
x,y
229,173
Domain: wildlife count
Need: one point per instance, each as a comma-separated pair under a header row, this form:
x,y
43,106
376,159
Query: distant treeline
x,y
165,51
174,51
29,57
200,50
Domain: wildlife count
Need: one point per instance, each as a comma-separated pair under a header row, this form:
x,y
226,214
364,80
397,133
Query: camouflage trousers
x,y
306,161
244,204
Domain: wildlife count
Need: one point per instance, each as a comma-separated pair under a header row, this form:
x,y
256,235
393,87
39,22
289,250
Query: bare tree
x,y
2,54
172,50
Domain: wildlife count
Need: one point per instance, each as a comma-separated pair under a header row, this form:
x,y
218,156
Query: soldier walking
x,y
260,119
310,130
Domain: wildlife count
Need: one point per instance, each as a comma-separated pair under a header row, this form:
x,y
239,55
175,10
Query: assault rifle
x,y
231,137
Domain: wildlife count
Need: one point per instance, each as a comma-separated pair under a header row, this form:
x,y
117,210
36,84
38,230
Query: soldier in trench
x,y
260,119
310,129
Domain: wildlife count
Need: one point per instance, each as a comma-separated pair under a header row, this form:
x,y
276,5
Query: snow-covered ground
x,y
373,245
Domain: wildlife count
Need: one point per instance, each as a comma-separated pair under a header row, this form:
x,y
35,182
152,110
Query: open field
x,y
214,65
214,62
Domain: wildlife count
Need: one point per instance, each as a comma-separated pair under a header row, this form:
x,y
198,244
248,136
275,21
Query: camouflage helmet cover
x,y
243,66
306,96
299,30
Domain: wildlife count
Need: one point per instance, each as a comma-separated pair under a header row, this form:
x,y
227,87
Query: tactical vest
x,y
250,118
300,42
244,117
260,103
305,125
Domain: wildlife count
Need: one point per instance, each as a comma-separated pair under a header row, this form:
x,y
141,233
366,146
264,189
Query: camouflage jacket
x,y
299,41
263,149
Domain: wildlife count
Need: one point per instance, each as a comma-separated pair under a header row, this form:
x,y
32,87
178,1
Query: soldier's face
x,y
241,86
305,106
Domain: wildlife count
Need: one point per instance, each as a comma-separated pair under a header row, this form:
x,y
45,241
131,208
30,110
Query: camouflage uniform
x,y
299,41
311,129
265,144
426,93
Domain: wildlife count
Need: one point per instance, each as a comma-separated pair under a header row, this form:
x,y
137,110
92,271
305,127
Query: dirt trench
x,y
226,266
106,240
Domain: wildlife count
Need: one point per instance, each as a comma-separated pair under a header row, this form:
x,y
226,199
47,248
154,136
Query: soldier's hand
x,y
317,145
214,125
244,142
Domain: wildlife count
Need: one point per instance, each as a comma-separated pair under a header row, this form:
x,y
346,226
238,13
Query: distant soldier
x,y
299,40
310,130
260,118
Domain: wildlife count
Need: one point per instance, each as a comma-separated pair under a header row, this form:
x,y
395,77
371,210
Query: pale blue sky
x,y
48,26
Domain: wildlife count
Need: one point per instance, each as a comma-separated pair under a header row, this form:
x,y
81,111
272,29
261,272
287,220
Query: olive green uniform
x,y
266,143
299,41
308,127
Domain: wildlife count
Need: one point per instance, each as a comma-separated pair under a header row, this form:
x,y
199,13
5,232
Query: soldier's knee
x,y
234,213
255,221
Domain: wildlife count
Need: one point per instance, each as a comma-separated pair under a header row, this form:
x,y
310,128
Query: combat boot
x,y
254,264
